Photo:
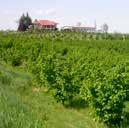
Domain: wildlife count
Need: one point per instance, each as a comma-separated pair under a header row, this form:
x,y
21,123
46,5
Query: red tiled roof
x,y
45,22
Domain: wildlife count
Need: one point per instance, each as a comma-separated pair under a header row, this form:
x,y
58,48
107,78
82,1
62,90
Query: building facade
x,y
45,24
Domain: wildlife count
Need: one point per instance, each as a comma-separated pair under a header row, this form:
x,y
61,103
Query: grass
x,y
14,113
55,115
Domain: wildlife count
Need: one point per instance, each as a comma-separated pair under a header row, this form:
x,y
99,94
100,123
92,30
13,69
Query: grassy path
x,y
54,115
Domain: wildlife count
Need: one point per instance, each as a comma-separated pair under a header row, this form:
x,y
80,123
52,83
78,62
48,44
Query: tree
x,y
24,22
22,26
28,20
105,28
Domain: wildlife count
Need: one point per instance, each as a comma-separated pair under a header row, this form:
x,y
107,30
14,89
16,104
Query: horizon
x,y
65,12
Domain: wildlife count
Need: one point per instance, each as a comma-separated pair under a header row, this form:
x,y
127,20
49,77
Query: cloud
x,y
39,12
50,12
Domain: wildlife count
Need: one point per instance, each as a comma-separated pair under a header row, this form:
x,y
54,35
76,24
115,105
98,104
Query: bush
x,y
107,94
16,61
59,75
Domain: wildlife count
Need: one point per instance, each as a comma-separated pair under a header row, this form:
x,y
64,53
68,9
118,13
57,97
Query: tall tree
x,y
24,22
28,20
21,26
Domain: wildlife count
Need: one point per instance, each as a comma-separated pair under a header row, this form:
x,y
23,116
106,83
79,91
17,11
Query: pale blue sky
x,y
68,12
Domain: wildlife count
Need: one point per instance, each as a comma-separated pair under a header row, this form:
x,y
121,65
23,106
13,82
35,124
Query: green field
x,y
64,80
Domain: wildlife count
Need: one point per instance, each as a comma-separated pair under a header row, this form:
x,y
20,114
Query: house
x,y
45,24
80,28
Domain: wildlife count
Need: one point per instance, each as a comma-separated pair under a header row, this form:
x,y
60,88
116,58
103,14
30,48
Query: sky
x,y
68,12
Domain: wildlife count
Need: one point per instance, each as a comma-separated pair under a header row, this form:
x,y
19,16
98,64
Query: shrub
x,y
107,94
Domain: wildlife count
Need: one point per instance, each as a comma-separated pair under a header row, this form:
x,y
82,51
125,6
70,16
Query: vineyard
x,y
79,70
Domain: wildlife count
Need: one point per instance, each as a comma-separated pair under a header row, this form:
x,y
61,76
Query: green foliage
x,y
13,112
16,61
4,79
75,65
107,94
